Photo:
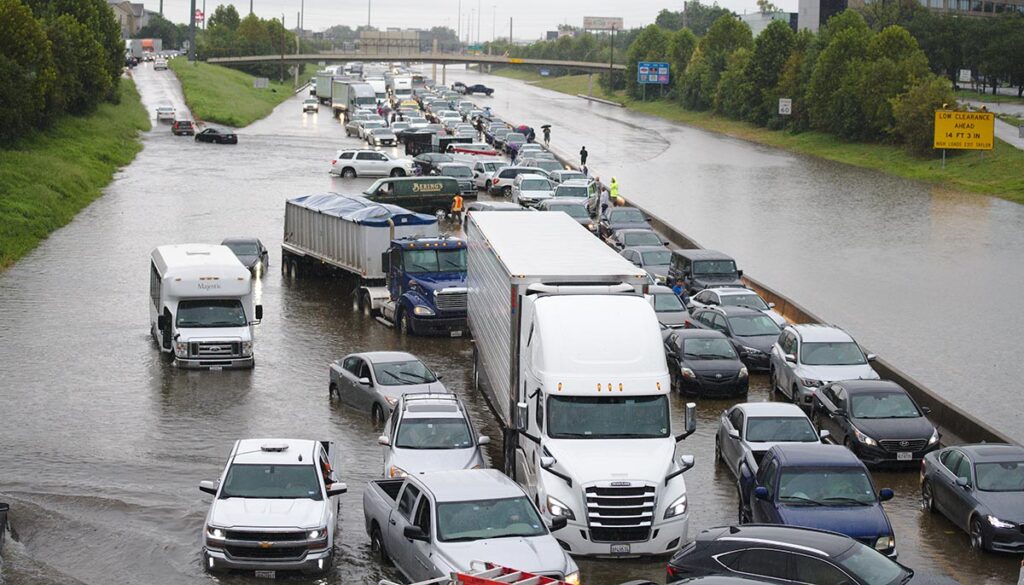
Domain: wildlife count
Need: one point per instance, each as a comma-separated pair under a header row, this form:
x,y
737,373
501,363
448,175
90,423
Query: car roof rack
x,y
482,573
417,396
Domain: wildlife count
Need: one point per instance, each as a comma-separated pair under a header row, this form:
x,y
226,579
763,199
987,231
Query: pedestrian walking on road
x,y
614,186
603,197
547,135
583,156
457,208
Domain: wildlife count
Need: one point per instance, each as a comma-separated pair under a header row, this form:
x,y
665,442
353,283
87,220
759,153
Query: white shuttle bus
x,y
201,306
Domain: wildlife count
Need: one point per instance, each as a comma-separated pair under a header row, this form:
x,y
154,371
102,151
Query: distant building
x,y
813,14
967,7
758,21
130,16
551,35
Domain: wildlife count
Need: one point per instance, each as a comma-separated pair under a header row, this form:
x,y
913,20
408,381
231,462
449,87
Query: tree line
x,y
57,57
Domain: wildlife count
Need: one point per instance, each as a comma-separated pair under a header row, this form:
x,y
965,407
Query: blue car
x,y
817,486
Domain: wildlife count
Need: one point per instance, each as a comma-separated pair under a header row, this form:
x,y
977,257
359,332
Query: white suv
x,y
430,432
369,163
807,357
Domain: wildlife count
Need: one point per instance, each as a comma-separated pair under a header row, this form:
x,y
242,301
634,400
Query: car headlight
x,y
864,438
246,348
573,578
180,348
687,373
752,350
935,437
997,523
423,311
214,533
396,472
811,383
592,227
743,372
391,400
557,508
318,534
885,543
676,508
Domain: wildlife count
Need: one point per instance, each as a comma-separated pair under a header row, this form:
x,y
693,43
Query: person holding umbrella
x,y
546,128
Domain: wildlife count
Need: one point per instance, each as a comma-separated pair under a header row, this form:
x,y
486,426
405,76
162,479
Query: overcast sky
x,y
530,17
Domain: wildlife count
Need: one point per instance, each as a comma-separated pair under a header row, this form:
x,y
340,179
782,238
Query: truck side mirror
x,y
547,462
522,416
385,262
336,489
415,533
558,523
739,274
686,462
761,492
384,440
259,312
483,440
161,322
689,421
208,487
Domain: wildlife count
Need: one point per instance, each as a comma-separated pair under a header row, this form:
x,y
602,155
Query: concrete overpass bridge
x,y
417,57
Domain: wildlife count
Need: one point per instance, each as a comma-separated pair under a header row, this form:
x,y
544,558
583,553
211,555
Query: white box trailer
x,y
569,355
347,232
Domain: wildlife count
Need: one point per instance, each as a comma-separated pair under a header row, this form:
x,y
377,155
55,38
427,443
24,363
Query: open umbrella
x,y
546,126
523,128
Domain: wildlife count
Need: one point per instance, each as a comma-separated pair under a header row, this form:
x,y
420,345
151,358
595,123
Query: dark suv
x,y
183,128
704,269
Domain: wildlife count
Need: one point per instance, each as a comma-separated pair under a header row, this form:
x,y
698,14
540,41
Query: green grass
x,y
573,84
997,172
226,96
1013,120
967,94
50,176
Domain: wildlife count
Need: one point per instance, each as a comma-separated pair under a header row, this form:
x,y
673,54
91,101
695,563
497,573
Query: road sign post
x,y
785,106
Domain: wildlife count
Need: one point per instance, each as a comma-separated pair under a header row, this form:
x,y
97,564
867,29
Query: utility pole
x,y
510,34
458,33
250,6
298,18
192,34
282,45
161,7
611,59
204,14
302,15
494,23
479,12
369,9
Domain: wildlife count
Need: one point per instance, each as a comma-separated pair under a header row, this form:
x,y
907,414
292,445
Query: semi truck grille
x,y
452,301
266,536
214,349
277,552
620,513
904,445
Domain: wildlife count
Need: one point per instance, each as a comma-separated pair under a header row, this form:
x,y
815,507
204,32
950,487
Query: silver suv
x,y
430,432
807,357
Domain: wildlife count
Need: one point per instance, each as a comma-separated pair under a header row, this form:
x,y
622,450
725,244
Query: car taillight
x,y
671,571
334,162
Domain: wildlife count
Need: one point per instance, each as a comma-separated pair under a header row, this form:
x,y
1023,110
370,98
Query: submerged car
x,y
704,363
737,297
250,252
752,332
217,136
807,356
653,259
430,432
746,432
375,381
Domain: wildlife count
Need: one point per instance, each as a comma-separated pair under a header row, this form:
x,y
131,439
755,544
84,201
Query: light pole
x,y
369,9
458,33
479,12
192,34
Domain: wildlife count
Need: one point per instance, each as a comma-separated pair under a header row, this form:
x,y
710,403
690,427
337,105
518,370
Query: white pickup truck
x,y
274,509
434,524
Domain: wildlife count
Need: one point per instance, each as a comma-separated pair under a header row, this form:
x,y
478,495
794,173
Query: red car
x,y
183,128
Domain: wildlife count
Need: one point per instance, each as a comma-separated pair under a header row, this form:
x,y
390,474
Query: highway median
x,y
49,176
227,96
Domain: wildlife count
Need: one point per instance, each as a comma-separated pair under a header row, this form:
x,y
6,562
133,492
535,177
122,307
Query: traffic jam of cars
x,y
589,446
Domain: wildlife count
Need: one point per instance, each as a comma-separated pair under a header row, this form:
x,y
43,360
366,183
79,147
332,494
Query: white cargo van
x,y
201,306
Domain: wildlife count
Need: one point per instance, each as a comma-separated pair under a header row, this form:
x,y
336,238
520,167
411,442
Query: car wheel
x,y
397,173
506,192
772,380
977,535
718,451
377,546
487,185
332,390
796,395
348,173
377,416
927,497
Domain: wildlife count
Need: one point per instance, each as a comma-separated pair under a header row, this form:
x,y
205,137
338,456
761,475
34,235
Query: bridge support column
x,y
444,74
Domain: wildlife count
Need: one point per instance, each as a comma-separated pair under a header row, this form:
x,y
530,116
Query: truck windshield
x,y
433,433
403,373
715,267
211,313
274,482
826,487
427,261
483,519
366,101
586,417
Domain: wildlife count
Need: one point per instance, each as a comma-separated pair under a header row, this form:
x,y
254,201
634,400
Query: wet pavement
x,y
104,442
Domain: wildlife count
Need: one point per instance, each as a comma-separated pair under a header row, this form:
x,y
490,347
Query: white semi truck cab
x,y
569,355
202,307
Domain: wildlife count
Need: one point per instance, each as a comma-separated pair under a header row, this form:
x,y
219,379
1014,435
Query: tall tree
x,y
226,16
27,73
82,82
771,49
159,27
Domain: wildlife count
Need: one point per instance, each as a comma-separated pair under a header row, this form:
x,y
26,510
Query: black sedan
x,y
752,332
478,88
980,488
250,252
621,218
877,420
629,238
218,136
703,362
430,161
784,554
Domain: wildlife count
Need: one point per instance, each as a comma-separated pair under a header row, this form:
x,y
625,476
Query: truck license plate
x,y
456,333
266,574
904,456
620,549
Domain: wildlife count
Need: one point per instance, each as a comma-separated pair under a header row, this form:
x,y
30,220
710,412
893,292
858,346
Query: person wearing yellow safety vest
x,y
457,208
614,187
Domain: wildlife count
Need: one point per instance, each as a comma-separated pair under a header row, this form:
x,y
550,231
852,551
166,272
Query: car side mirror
x,y
686,462
547,462
522,416
483,440
558,523
364,381
840,412
689,421
963,482
872,357
823,434
384,440
734,433
885,494
336,489
208,487
415,533
790,358
439,378
926,409
259,312
771,305
761,492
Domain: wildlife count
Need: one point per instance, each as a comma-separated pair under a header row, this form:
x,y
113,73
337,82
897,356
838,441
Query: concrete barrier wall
x,y
955,425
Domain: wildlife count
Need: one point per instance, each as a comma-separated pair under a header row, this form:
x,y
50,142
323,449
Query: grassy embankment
x,y
226,96
997,172
50,176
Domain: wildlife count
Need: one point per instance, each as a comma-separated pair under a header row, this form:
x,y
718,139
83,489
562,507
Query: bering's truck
x,y
569,357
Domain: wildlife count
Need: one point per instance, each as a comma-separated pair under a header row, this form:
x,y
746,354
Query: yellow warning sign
x,y
964,130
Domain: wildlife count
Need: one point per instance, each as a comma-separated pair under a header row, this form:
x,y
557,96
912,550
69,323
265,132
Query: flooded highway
x,y
104,442
900,271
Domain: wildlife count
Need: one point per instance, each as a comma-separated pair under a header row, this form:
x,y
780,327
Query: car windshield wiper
x,y
463,539
847,500
801,499
414,377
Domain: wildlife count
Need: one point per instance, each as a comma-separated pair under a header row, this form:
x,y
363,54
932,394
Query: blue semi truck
x,y
410,276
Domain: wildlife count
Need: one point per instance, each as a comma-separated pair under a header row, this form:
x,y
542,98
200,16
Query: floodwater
x,y
104,442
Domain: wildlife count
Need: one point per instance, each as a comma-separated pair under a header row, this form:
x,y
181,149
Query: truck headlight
x,y
214,533
396,472
885,543
318,534
246,348
997,523
676,508
423,311
180,348
743,372
864,438
935,437
557,508
573,578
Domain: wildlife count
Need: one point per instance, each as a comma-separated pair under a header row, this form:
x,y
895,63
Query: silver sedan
x,y
374,381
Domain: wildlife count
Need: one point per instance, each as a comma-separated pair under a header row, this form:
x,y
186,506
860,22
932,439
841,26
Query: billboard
x,y
652,72
602,23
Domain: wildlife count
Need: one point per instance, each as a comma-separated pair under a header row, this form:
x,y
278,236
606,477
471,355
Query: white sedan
x,y
741,297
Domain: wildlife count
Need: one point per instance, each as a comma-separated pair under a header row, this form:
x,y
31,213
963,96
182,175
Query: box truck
x,y
348,95
569,356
